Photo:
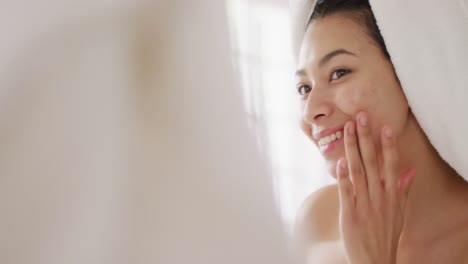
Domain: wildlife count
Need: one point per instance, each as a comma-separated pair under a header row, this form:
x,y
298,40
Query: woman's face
x,y
341,72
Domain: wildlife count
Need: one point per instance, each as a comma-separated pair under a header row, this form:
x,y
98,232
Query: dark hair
x,y
358,10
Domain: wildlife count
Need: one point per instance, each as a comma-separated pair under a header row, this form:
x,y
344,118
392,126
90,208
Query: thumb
x,y
404,185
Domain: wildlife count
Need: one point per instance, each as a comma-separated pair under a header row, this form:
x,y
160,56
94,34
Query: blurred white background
x,y
111,151
261,41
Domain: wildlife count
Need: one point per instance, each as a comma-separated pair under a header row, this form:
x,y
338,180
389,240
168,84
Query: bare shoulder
x,y
317,228
317,219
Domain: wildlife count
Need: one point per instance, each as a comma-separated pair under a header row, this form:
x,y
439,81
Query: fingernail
x,y
388,132
363,120
405,179
350,128
344,163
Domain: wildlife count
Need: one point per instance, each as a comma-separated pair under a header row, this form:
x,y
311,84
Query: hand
x,y
371,203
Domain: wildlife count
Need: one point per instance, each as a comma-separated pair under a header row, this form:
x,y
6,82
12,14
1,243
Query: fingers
x,y
405,180
345,187
363,162
369,157
403,189
356,169
391,162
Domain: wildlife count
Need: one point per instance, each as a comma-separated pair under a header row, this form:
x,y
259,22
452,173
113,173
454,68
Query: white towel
x,y
428,43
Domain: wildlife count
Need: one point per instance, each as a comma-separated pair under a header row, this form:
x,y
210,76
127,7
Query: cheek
x,y
365,98
354,98
306,129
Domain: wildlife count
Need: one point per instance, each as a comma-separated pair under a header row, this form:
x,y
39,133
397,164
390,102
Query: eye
x,y
303,89
339,73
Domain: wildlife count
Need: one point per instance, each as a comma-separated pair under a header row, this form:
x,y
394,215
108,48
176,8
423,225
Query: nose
x,y
318,106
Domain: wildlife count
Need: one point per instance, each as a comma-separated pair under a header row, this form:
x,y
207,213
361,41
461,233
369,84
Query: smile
x,y
330,138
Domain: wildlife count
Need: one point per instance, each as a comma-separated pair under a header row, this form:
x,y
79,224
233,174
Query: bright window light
x,y
262,53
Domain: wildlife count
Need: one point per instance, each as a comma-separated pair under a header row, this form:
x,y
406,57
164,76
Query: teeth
x,y
338,134
326,140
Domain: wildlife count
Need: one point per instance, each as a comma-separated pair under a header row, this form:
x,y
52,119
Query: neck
x,y
437,190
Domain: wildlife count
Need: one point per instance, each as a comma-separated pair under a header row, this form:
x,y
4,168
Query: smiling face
x,y
342,71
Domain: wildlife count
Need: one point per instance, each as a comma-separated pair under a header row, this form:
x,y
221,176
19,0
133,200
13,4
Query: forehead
x,y
330,33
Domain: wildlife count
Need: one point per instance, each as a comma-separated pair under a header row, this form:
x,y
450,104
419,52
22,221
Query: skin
x,y
431,223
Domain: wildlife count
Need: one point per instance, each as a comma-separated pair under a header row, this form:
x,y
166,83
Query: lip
x,y
325,132
330,146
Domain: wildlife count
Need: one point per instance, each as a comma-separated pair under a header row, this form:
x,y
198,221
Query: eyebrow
x,y
332,54
327,58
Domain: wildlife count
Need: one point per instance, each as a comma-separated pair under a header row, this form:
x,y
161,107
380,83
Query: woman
x,y
396,200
